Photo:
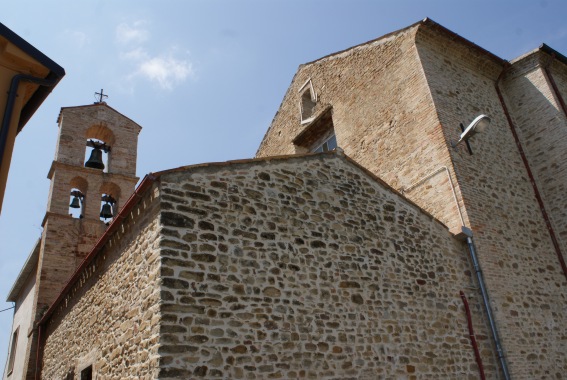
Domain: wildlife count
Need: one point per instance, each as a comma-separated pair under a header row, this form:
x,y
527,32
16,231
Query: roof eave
x,y
26,270
56,73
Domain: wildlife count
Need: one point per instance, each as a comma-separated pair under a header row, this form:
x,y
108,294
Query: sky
x,y
204,79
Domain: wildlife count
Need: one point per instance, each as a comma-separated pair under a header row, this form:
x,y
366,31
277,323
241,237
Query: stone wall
x,y
109,318
522,272
308,267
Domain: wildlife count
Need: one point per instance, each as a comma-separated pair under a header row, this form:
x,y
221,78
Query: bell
x,y
75,202
95,161
106,211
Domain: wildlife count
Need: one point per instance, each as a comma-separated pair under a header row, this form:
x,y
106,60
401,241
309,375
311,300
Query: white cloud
x,y
77,38
137,54
134,33
167,71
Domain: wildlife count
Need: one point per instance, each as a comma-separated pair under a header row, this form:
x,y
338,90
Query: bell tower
x,y
93,173
92,176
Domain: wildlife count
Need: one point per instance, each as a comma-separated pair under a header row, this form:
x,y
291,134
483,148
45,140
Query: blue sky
x,y
205,78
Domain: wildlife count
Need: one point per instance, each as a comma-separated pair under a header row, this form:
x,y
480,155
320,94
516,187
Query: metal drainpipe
x,y
486,303
12,94
477,270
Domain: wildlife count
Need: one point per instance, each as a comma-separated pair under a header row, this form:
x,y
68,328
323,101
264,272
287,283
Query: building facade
x,y
395,105
405,253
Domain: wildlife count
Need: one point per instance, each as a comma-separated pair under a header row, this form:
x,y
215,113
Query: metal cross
x,y
101,95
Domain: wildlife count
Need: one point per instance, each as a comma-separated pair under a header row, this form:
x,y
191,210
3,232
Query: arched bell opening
x,y
76,203
77,193
100,139
97,155
107,208
110,196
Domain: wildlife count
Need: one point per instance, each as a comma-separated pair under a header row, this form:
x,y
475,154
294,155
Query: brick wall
x,y
100,121
110,317
520,266
384,119
308,267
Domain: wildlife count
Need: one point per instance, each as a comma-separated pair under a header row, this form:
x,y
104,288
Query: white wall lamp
x,y
478,125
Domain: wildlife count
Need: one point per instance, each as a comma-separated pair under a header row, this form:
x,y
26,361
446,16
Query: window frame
x,y
303,90
321,148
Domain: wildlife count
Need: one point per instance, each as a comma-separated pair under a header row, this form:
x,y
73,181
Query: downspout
x,y
468,233
486,302
12,95
531,176
473,337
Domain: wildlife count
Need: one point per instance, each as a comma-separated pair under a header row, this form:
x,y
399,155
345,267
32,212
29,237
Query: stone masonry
x,y
520,265
300,267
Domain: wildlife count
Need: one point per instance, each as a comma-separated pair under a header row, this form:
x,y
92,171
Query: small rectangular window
x,y
328,144
87,373
13,348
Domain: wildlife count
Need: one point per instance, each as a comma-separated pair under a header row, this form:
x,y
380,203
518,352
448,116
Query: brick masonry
x,y
383,117
542,125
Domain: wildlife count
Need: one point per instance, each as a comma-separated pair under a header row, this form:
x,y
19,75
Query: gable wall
x,y
384,119
307,267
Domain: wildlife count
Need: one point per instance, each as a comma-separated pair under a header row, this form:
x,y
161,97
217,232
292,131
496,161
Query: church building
x,y
404,217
